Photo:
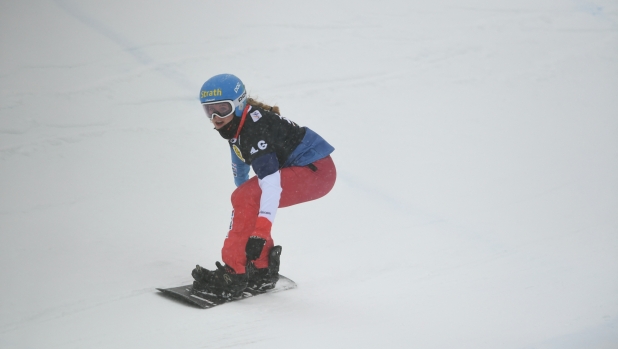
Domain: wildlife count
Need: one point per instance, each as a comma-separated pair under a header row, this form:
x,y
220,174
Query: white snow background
x,y
476,142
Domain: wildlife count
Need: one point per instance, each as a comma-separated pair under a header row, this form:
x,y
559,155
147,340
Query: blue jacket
x,y
310,149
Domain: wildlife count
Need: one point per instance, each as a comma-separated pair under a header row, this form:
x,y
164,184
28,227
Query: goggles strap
x,y
242,120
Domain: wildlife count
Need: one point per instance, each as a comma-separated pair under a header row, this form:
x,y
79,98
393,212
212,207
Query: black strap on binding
x,y
254,247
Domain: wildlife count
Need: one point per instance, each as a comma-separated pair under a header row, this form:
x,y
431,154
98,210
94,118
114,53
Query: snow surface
x,y
476,146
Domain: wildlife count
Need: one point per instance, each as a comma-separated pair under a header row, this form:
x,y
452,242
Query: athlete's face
x,y
220,122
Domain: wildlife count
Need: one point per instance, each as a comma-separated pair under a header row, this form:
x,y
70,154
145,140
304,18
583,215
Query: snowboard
x,y
207,301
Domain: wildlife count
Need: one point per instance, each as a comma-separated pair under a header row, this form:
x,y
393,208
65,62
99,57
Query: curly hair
x,y
256,103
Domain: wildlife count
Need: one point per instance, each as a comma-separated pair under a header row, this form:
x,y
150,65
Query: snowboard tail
x,y
206,300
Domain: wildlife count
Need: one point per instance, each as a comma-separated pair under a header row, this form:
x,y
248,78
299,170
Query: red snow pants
x,y
299,184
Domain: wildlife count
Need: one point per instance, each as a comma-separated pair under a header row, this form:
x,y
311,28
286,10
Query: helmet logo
x,y
242,97
211,93
237,87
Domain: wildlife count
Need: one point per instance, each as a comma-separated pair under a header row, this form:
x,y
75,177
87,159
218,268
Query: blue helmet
x,y
225,87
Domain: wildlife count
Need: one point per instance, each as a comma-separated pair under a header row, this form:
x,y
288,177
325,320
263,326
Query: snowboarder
x,y
292,164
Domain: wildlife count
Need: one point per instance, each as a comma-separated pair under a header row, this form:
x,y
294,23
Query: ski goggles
x,y
221,109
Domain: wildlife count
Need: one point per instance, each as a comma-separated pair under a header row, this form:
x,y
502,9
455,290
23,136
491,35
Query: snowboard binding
x,y
265,278
222,283
225,283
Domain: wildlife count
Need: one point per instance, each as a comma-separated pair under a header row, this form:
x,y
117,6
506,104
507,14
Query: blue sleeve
x,y
265,165
240,169
312,148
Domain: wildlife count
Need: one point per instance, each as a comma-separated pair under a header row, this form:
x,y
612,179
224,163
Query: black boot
x,y
223,282
265,278
201,275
